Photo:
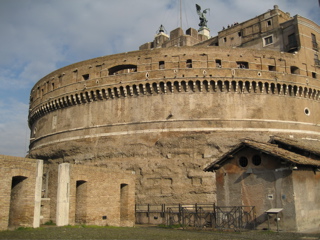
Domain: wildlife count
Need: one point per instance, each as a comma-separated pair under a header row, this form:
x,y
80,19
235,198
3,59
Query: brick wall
x,y
20,191
90,195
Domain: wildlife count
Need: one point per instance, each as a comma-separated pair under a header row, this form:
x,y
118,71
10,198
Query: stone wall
x,y
92,196
307,194
20,192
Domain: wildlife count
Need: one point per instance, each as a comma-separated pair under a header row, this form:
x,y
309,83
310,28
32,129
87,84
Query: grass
x,y
139,232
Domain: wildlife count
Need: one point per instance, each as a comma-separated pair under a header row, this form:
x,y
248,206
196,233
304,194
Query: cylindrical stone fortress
x,y
166,113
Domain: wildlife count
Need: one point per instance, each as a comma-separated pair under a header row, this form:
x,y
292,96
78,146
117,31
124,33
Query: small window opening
x,y
314,42
314,75
294,70
272,68
269,22
307,111
244,65
243,161
123,69
239,34
85,76
256,160
225,39
268,40
218,63
161,65
189,63
292,43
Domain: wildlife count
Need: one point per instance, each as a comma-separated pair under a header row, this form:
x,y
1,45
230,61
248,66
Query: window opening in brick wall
x,y
128,68
244,65
85,77
161,65
269,23
189,63
218,63
314,75
272,68
81,202
243,161
294,70
18,213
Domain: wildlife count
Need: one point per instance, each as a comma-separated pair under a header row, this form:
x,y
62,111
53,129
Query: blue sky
x,y
39,36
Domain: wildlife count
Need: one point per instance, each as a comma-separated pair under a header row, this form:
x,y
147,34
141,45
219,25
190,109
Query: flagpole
x,y
181,13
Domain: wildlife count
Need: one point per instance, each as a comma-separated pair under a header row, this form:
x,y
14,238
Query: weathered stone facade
x,y
167,110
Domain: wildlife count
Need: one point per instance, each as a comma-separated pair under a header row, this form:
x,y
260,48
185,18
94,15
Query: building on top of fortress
x,y
167,110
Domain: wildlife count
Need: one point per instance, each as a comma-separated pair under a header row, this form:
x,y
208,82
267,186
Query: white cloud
x,y
39,36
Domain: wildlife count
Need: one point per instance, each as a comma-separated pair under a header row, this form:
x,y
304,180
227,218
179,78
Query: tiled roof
x,y
268,148
309,146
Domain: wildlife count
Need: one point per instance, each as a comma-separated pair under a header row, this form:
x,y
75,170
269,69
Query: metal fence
x,y
197,216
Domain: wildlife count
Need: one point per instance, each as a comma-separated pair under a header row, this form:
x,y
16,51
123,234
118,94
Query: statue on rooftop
x,y
202,16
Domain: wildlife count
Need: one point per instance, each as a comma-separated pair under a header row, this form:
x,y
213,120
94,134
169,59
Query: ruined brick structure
x,y
169,109
65,194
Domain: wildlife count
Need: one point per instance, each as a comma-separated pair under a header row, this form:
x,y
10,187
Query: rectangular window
x,y
244,65
314,42
218,63
161,65
272,68
269,23
314,75
268,40
292,43
316,60
189,63
225,39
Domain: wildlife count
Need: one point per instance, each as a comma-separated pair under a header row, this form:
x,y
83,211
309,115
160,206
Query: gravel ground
x,y
138,232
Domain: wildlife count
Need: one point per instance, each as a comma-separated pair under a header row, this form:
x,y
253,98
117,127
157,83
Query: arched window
x,y
121,69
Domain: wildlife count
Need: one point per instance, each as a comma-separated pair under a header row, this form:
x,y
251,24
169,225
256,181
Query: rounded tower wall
x,y
165,113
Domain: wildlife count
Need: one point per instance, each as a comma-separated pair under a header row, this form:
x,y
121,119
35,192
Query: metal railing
x,y
197,216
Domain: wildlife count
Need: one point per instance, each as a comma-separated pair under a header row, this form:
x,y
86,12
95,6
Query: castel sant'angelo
x,y
167,111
